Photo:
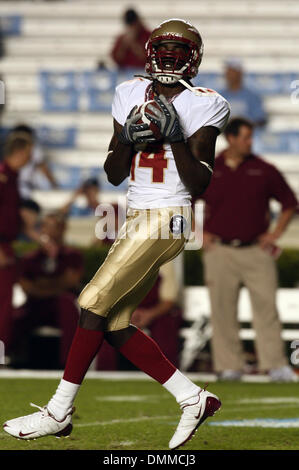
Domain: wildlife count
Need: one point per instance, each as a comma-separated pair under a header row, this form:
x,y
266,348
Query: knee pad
x,y
90,321
119,337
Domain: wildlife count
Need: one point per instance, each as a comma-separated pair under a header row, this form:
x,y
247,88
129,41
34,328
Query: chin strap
x,y
139,75
183,82
207,166
190,87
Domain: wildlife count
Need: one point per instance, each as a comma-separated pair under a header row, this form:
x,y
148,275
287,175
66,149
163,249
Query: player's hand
x,y
167,120
133,133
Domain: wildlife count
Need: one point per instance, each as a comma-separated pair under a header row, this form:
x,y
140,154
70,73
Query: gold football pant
x,y
147,239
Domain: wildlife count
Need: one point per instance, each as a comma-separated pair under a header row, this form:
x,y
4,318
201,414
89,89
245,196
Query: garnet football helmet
x,y
169,66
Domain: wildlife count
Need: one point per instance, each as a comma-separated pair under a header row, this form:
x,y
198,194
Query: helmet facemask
x,y
169,65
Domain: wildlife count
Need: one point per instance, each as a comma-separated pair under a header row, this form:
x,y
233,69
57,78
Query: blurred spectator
x,y
28,179
243,102
90,190
159,314
128,49
30,211
240,248
108,215
50,284
17,152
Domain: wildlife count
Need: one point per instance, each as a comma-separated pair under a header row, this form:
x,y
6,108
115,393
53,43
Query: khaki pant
x,y
226,268
146,241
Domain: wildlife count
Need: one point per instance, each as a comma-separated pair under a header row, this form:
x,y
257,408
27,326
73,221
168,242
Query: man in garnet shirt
x,y
17,152
50,283
239,248
128,49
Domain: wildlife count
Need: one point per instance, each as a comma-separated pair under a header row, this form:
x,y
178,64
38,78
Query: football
x,y
144,119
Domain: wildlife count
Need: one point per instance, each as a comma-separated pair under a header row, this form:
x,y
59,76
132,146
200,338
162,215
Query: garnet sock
x,y
145,354
85,346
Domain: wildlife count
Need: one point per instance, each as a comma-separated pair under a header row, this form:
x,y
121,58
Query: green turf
x,y
95,426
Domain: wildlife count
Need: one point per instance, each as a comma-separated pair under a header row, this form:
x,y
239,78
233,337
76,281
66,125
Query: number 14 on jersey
x,y
154,161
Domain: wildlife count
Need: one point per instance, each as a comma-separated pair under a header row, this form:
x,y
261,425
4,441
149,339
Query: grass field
x,y
141,415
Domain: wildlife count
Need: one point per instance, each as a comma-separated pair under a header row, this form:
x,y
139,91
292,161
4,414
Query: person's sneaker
x,y
38,424
193,416
283,374
233,375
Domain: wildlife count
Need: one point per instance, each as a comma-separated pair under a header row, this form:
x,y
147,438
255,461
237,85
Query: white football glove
x,y
133,133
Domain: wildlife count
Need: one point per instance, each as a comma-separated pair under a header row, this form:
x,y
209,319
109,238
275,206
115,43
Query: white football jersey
x,y
154,180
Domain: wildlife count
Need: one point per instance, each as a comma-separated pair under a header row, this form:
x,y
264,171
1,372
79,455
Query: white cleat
x,y
193,416
39,424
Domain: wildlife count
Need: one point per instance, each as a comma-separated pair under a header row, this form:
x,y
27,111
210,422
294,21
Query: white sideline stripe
x,y
109,375
126,443
259,423
265,407
132,398
245,401
121,421
57,374
270,400
7,373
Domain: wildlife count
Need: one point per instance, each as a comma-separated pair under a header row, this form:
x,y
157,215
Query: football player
x,y
163,176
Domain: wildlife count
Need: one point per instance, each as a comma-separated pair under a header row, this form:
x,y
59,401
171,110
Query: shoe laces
x,y
43,409
32,420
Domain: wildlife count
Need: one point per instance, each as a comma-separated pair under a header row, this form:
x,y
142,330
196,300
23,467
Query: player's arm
x,y
195,159
118,162
121,149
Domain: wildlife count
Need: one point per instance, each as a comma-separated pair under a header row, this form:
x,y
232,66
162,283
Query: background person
x,y
90,189
37,166
239,248
50,283
113,213
30,211
243,101
17,152
128,49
